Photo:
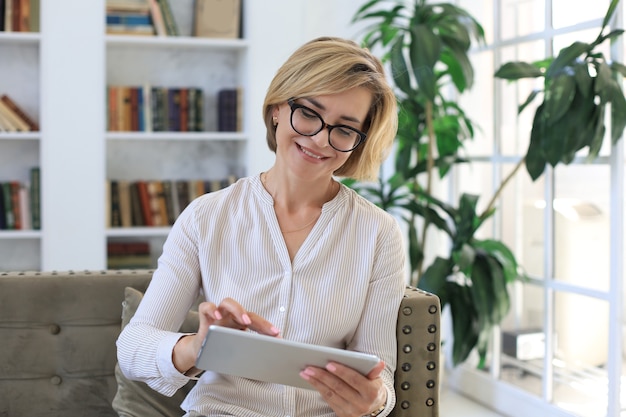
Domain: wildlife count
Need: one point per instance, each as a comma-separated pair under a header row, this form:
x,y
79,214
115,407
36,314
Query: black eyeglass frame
x,y
293,105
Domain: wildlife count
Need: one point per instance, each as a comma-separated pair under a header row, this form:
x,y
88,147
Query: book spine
x,y
184,109
157,18
15,205
24,207
227,110
128,19
35,198
144,197
168,17
35,16
126,216
116,215
2,12
199,103
134,109
135,205
3,217
8,16
8,206
15,120
20,112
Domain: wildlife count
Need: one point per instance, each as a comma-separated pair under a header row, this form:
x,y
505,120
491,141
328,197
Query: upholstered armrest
x,y
417,370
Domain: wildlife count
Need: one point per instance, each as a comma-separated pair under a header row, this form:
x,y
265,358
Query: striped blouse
x,y
343,289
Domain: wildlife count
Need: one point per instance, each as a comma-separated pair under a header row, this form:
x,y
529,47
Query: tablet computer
x,y
267,358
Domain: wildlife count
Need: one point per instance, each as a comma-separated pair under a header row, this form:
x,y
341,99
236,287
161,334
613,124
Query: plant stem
x,y
503,184
430,164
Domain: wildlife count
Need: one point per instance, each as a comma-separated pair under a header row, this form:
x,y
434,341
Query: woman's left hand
x,y
348,392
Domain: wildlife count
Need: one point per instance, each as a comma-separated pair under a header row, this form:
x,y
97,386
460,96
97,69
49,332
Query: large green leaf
x,y
465,327
558,97
435,277
424,51
535,158
618,118
502,254
517,70
567,57
399,68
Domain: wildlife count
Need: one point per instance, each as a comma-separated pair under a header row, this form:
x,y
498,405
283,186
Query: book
x,y
168,17
144,198
6,125
135,206
35,15
114,201
157,18
182,193
130,30
8,206
24,206
34,126
15,120
126,216
2,11
3,218
35,198
14,192
227,110
8,16
217,18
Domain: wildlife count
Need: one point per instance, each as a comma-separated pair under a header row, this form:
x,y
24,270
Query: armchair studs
x,y
417,332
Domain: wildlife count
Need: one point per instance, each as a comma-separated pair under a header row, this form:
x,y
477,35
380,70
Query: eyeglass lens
x,y
308,123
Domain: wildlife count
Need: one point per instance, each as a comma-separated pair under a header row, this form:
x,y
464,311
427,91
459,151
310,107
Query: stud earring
x,y
275,120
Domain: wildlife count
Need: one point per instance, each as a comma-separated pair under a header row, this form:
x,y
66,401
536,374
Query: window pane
x,y
522,17
582,225
572,12
478,105
582,334
523,342
514,129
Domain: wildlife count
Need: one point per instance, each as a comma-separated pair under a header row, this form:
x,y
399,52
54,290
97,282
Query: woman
x,y
290,253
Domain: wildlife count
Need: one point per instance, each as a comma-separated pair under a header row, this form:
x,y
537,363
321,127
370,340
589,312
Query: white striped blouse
x,y
343,290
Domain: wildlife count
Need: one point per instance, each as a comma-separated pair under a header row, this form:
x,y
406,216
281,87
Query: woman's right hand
x,y
229,313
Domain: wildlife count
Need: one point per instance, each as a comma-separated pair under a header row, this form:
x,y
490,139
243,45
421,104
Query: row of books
x,y
140,17
13,118
154,109
208,18
20,204
19,15
162,109
154,202
128,255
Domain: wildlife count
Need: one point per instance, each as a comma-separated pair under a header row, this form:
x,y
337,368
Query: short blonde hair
x,y
329,65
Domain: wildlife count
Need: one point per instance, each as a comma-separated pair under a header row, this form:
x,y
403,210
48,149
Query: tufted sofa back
x,y
58,354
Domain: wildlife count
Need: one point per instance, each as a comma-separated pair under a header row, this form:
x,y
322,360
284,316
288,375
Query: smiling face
x,y
312,157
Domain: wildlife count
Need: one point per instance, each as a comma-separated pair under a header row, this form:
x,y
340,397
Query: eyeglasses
x,y
307,122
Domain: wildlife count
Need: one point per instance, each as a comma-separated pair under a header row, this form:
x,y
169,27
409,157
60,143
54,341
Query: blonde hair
x,y
329,65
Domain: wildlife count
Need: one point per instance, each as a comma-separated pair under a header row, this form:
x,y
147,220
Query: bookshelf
x,y
19,151
59,76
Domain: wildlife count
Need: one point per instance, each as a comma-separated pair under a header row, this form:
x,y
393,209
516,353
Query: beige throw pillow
x,y
135,398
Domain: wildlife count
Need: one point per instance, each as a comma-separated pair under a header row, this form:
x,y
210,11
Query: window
x,y
560,351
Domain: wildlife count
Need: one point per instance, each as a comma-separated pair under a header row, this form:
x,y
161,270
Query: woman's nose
x,y
321,137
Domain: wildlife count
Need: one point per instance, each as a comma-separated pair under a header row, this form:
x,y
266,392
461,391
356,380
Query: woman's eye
x,y
345,132
308,114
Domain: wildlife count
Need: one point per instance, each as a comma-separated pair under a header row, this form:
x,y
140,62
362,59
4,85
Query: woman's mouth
x,y
309,153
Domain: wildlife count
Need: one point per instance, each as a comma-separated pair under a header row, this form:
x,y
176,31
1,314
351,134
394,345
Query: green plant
x,y
578,85
427,46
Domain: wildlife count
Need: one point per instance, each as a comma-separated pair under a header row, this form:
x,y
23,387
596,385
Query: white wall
x,y
274,29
